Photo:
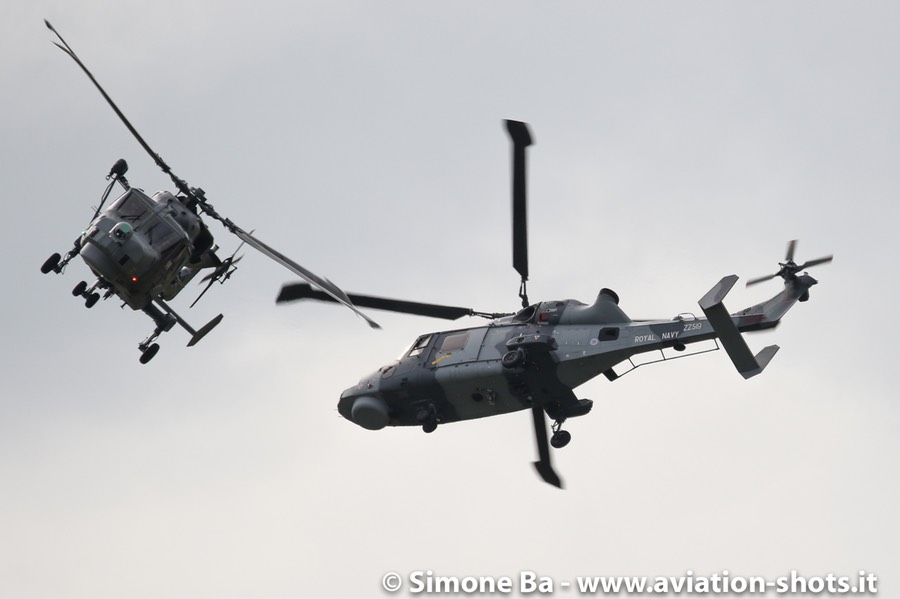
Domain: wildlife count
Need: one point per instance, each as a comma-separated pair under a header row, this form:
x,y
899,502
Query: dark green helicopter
x,y
534,359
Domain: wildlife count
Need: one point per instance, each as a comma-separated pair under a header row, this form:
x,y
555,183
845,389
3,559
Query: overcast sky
x,y
675,143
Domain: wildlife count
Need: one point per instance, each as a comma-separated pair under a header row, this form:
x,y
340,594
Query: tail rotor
x,y
789,268
221,273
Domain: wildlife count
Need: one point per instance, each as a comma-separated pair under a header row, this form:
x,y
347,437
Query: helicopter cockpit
x,y
156,219
418,346
135,244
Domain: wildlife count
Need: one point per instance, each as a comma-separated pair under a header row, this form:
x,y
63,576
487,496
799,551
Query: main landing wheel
x,y
560,439
51,263
148,353
92,299
80,288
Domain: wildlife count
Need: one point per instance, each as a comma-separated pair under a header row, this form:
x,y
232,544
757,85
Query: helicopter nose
x,y
368,412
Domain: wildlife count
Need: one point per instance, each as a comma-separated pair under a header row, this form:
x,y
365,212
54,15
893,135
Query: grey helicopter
x,y
145,249
535,358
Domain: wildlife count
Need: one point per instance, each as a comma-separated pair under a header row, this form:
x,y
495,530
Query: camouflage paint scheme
x,y
536,358
459,374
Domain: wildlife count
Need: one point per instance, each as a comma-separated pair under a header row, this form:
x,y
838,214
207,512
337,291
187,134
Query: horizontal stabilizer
x,y
735,346
197,336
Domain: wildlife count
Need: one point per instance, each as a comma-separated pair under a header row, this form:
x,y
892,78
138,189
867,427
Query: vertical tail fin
x,y
738,350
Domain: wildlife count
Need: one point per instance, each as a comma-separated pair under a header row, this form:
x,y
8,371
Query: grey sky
x,y
675,143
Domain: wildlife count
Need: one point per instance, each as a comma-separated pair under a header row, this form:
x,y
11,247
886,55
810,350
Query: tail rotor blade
x,y
789,269
214,275
205,289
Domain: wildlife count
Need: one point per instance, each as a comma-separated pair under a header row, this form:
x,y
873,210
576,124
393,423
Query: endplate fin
x,y
737,349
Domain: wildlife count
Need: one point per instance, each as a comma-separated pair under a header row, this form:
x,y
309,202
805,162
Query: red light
x,y
134,279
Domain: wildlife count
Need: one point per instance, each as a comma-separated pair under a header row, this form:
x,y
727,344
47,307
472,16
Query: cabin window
x,y
453,342
608,334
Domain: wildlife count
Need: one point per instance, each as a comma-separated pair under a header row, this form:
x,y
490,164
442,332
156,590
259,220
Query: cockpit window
x,y
130,206
419,346
162,236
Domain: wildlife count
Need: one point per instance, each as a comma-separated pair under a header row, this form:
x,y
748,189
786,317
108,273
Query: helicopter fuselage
x,y
142,247
534,358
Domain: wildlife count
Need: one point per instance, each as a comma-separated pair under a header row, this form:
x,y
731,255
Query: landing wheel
x,y
513,358
80,288
430,427
560,439
51,263
92,299
148,353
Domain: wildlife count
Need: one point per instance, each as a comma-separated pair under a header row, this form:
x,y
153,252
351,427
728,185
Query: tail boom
x,y
761,316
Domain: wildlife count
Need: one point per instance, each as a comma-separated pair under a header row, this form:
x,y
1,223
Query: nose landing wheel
x,y
428,418
560,437
514,358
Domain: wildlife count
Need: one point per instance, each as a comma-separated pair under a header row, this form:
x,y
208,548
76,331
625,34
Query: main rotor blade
x,y
543,465
792,245
298,291
182,186
810,263
335,292
521,139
